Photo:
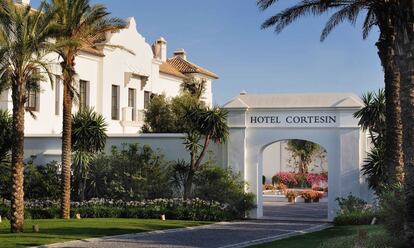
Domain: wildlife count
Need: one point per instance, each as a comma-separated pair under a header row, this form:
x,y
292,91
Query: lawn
x,y
54,231
313,240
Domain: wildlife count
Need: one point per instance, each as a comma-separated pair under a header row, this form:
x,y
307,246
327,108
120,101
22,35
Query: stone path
x,y
297,211
224,235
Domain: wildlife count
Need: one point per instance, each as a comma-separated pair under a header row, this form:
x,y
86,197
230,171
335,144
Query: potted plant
x,y
318,195
281,188
291,195
308,195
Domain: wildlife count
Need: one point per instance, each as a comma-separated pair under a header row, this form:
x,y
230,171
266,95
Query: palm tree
x,y
377,13
372,116
88,138
23,36
83,26
405,61
193,86
210,124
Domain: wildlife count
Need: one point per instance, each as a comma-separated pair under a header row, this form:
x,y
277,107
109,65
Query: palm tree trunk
x,y
393,132
194,165
66,149
17,197
405,62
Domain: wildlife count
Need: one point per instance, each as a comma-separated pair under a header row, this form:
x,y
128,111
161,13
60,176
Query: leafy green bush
x,y
354,211
133,172
355,218
393,212
222,185
194,209
351,204
42,182
377,239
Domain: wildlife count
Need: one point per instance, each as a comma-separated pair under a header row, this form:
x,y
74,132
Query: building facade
x,y
117,83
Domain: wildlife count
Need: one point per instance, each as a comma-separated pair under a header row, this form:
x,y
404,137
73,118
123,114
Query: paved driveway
x,y
297,211
224,235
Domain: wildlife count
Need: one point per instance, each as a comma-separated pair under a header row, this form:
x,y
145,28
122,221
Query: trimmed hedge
x,y
194,209
355,218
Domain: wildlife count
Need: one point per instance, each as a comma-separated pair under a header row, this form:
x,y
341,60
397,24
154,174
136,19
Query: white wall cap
x,y
304,100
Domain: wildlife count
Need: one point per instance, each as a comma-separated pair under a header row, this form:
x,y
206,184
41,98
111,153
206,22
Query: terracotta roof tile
x,y
167,68
185,66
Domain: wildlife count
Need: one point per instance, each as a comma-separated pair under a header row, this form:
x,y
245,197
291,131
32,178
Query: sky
x,y
225,37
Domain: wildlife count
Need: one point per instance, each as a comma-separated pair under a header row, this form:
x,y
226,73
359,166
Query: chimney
x,y
23,2
181,53
160,49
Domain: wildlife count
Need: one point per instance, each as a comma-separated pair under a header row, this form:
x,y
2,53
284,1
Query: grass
x,y
313,240
55,231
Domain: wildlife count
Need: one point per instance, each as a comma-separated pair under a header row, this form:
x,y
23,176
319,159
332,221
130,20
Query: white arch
x,y
344,142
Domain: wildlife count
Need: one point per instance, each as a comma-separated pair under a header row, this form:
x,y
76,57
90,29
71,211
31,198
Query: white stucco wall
x,y
44,149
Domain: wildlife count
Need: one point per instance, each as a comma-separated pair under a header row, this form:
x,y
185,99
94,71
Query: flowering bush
x,y
194,209
281,186
269,187
287,178
301,178
316,179
309,194
291,194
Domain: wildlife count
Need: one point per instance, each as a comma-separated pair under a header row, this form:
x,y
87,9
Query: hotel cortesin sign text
x,y
292,120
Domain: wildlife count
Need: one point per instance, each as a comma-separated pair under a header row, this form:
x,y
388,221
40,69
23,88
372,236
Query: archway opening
x,y
295,180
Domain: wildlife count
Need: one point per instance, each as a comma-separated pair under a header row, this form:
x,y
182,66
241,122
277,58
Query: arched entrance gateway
x,y
257,121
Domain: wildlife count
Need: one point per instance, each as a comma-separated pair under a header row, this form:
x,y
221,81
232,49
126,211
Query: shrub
x,y
373,239
309,194
222,185
269,187
393,211
195,209
355,218
316,179
351,204
302,181
354,211
291,193
281,186
287,178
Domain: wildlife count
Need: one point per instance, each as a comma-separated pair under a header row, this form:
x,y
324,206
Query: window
x,y
147,99
83,94
115,102
58,82
32,98
132,102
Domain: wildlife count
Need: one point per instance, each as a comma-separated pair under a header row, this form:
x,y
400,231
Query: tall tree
x,y
82,26
404,23
206,125
304,151
88,138
23,36
377,13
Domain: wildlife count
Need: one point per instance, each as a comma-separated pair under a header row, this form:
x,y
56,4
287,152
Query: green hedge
x,y
194,209
355,218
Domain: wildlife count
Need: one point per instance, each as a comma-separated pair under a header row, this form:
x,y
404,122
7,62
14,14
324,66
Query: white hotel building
x,y
116,83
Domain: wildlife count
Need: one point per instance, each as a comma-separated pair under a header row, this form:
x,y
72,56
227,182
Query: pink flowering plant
x,y
287,178
316,179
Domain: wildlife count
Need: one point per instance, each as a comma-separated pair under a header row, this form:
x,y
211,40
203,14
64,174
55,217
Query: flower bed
x,y
194,209
298,180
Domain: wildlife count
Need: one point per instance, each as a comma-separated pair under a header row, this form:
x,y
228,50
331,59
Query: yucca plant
x,y
89,138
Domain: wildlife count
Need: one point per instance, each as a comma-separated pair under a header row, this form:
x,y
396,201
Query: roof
x,y
305,100
92,51
167,68
185,66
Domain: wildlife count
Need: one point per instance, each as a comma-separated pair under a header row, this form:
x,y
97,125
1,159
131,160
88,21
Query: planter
x,y
308,200
292,199
316,200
